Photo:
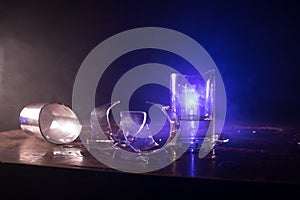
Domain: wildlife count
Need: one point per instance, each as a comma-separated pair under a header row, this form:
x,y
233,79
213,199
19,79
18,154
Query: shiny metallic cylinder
x,y
52,122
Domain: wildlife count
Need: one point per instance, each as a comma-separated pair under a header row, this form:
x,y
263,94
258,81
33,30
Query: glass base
x,y
205,149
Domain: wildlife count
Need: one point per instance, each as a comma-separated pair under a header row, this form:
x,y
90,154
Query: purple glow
x,y
190,100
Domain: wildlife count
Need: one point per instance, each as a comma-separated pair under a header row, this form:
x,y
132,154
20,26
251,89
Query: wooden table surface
x,y
260,155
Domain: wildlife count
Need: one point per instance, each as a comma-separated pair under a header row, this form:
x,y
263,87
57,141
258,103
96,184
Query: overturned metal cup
x,y
53,122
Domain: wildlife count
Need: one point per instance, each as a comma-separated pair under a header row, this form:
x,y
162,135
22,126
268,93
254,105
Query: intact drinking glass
x,y
52,122
193,101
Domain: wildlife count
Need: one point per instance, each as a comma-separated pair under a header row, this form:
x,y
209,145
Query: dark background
x,y
255,45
